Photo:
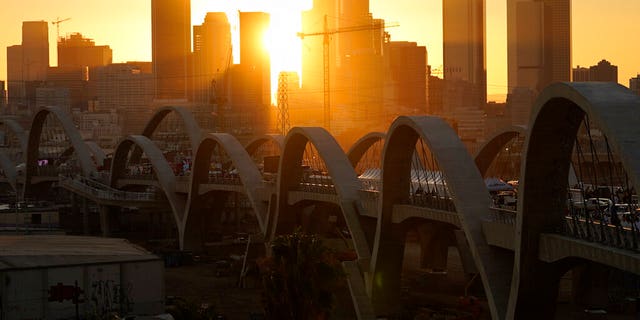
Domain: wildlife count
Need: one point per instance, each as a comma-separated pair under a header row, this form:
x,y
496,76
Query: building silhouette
x,y
465,94
355,61
538,49
77,59
171,47
127,90
603,71
76,51
406,79
249,96
27,65
634,84
212,57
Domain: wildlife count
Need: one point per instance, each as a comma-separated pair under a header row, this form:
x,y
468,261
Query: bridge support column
x,y
434,245
387,271
85,217
590,286
104,220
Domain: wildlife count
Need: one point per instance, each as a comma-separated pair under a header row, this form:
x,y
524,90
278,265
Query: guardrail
x,y
100,191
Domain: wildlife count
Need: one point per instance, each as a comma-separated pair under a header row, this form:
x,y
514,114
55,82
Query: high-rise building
x,y
127,89
76,51
538,43
634,84
354,60
406,78
465,73
247,113
27,65
171,47
212,57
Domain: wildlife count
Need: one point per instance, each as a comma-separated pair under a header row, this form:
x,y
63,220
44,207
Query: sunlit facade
x,y
539,43
355,62
538,49
247,110
465,73
212,57
171,47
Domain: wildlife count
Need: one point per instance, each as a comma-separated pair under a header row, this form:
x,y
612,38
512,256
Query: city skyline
x,y
597,33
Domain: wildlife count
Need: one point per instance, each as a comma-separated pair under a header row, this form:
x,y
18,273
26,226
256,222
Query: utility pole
x,y
326,33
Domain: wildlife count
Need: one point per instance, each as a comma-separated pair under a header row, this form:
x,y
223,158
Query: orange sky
x,y
599,31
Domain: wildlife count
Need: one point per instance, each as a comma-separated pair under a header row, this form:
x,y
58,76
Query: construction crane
x,y
326,33
57,24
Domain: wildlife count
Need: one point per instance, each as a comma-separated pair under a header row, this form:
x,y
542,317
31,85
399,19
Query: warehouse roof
x,y
40,251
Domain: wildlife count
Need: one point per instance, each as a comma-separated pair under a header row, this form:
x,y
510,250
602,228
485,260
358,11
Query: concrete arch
x,y
190,123
344,178
360,147
19,131
469,195
82,151
256,143
346,184
9,169
490,149
163,171
95,150
247,170
556,119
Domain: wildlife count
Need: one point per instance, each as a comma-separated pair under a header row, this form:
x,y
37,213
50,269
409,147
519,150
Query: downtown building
x,y
77,59
634,84
465,76
212,58
171,48
603,71
27,65
247,112
538,49
355,62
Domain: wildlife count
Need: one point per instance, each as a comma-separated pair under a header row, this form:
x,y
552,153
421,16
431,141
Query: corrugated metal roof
x,y
38,251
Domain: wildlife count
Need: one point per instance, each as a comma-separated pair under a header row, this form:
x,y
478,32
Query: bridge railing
x,y
100,191
502,215
432,201
317,184
600,231
224,178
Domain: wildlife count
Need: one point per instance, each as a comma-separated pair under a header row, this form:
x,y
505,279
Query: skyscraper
x,y
171,46
212,57
247,113
27,63
538,43
464,65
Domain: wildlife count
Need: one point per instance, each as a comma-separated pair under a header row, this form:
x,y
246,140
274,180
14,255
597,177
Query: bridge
x,y
582,140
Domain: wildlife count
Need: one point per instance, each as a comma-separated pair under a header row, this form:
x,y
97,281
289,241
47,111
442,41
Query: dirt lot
x,y
198,283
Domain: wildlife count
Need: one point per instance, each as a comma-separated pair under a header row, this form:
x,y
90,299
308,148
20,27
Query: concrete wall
x,y
125,288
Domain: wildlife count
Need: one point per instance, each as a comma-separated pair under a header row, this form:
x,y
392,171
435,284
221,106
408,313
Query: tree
x,y
300,278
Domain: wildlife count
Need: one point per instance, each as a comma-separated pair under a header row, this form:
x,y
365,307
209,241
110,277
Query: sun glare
x,y
283,44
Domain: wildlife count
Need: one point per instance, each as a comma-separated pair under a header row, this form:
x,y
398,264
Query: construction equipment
x,y
57,24
326,33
